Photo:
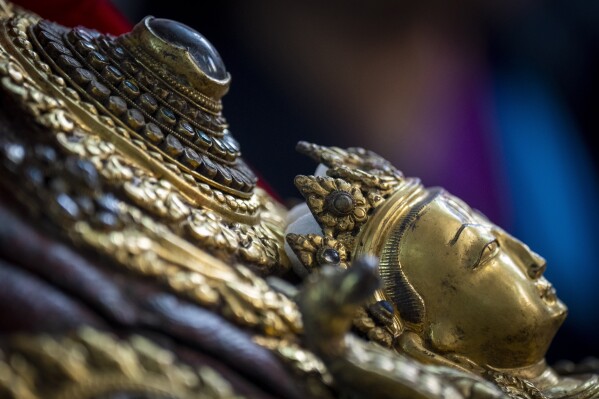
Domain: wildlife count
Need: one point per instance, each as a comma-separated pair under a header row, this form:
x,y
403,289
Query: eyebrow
x,y
460,230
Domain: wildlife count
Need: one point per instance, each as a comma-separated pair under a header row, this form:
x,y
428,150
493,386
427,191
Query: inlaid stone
x,y
207,168
329,257
84,34
46,37
224,175
98,90
217,148
190,158
153,133
186,130
117,105
129,88
202,139
55,49
203,53
68,63
341,203
230,141
166,116
97,60
147,102
119,52
85,46
134,119
172,146
112,74
82,76
236,181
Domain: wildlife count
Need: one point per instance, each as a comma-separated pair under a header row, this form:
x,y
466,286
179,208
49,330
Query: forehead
x,y
462,211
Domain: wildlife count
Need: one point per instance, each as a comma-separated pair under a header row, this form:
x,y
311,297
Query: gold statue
x,y
459,291
116,152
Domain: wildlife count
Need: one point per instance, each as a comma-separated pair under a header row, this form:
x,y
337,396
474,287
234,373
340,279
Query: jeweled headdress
x,y
358,205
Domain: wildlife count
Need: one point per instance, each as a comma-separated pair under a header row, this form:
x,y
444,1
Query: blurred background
x,y
493,100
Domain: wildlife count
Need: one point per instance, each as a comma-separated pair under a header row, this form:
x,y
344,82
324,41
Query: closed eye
x,y
490,250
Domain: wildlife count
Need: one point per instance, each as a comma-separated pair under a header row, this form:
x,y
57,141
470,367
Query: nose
x,y
532,263
537,267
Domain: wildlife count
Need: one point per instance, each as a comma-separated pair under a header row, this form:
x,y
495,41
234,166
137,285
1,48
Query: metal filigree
x,y
99,193
92,364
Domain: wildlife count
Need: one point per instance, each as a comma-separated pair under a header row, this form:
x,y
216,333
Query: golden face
x,y
484,294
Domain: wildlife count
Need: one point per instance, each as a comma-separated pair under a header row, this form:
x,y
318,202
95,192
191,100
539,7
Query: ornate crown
x,y
358,204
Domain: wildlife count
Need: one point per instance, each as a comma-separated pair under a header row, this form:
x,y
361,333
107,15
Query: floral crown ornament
x,y
356,204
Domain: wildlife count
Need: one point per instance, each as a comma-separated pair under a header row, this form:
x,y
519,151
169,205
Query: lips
x,y
546,291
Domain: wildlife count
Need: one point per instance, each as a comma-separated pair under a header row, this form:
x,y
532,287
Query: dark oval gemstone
x,y
329,256
206,117
55,49
15,154
117,105
236,180
112,74
247,184
172,146
82,170
247,172
82,76
207,168
68,62
108,202
106,220
190,158
153,133
203,140
386,305
167,116
84,34
203,53
67,205
147,102
46,37
98,90
97,60
223,176
47,26
230,140
341,202
118,52
231,153
129,88
185,129
217,148
134,119
85,46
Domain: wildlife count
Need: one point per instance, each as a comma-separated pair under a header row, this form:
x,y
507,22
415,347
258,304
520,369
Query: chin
x,y
558,311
